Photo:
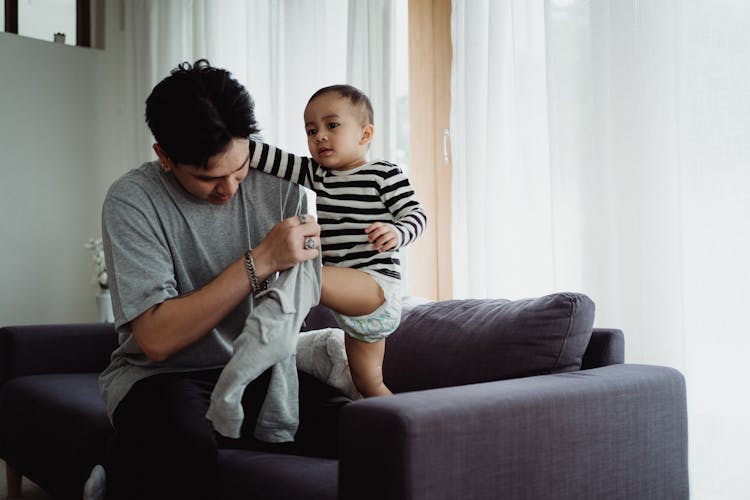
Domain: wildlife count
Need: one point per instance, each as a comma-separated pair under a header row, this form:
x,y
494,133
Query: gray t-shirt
x,y
161,242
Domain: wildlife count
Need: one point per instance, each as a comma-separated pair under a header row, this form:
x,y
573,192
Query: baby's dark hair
x,y
357,98
197,110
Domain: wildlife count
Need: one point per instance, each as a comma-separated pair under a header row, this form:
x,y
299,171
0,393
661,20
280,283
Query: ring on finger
x,y
302,218
309,243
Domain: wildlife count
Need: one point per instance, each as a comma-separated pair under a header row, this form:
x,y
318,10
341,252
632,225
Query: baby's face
x,y
336,136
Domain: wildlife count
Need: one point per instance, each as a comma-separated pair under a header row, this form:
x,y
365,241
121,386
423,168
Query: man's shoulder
x,y
145,175
137,185
263,182
269,196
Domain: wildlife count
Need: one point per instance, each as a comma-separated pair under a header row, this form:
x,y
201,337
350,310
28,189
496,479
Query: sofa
x,y
494,399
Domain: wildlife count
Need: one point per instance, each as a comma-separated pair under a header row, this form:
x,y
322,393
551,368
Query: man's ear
x,y
166,163
368,131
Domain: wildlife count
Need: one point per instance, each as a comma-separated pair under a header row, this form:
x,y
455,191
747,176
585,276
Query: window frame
x,y
430,55
83,20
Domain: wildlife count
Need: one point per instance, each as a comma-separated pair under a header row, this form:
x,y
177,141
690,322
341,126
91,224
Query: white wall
x,y
62,142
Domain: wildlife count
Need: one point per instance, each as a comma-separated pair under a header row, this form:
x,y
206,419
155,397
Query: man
x,y
192,242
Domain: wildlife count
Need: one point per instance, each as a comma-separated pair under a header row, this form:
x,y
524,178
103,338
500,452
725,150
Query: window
x,y
60,21
402,84
51,20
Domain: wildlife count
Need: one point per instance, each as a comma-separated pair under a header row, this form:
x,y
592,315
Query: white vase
x,y
104,307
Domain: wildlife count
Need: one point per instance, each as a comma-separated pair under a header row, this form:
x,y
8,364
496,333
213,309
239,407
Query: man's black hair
x,y
197,110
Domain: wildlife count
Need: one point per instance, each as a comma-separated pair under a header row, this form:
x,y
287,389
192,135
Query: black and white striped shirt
x,y
348,201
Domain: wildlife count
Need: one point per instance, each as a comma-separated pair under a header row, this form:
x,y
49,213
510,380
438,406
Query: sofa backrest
x,y
457,342
55,348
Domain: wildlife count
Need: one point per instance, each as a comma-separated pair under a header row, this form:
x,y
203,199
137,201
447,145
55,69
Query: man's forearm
x,y
176,323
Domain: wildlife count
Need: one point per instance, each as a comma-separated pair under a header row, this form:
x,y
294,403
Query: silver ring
x,y
302,218
309,243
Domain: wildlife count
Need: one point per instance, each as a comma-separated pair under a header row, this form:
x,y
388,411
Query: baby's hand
x,y
382,236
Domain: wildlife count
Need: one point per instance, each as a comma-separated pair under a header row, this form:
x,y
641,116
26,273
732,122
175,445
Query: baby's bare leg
x,y
366,365
355,293
350,292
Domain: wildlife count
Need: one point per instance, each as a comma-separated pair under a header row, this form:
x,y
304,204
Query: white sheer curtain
x,y
370,67
281,50
603,147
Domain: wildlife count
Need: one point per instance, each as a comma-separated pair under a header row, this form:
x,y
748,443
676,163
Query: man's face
x,y
219,182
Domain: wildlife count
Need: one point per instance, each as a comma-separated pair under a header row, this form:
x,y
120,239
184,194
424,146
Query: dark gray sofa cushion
x,y
254,475
457,342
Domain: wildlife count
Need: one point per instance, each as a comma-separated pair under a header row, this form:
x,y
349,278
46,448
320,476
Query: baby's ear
x,y
368,131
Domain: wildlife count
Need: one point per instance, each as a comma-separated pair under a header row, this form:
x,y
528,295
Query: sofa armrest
x,y
613,432
55,348
606,347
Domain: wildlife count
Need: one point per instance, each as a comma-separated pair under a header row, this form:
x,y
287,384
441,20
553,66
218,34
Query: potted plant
x,y
103,298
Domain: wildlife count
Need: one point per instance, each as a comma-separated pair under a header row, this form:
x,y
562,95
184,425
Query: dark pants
x,y
164,447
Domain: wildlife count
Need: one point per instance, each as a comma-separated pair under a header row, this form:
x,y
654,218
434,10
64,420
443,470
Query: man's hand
x,y
284,245
382,236
166,328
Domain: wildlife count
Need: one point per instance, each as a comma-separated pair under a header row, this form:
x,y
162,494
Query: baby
x,y
367,210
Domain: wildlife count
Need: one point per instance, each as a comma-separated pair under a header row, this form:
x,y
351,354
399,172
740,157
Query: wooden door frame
x,y
430,55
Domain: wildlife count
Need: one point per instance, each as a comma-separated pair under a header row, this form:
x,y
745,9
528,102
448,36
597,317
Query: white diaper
x,y
382,321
